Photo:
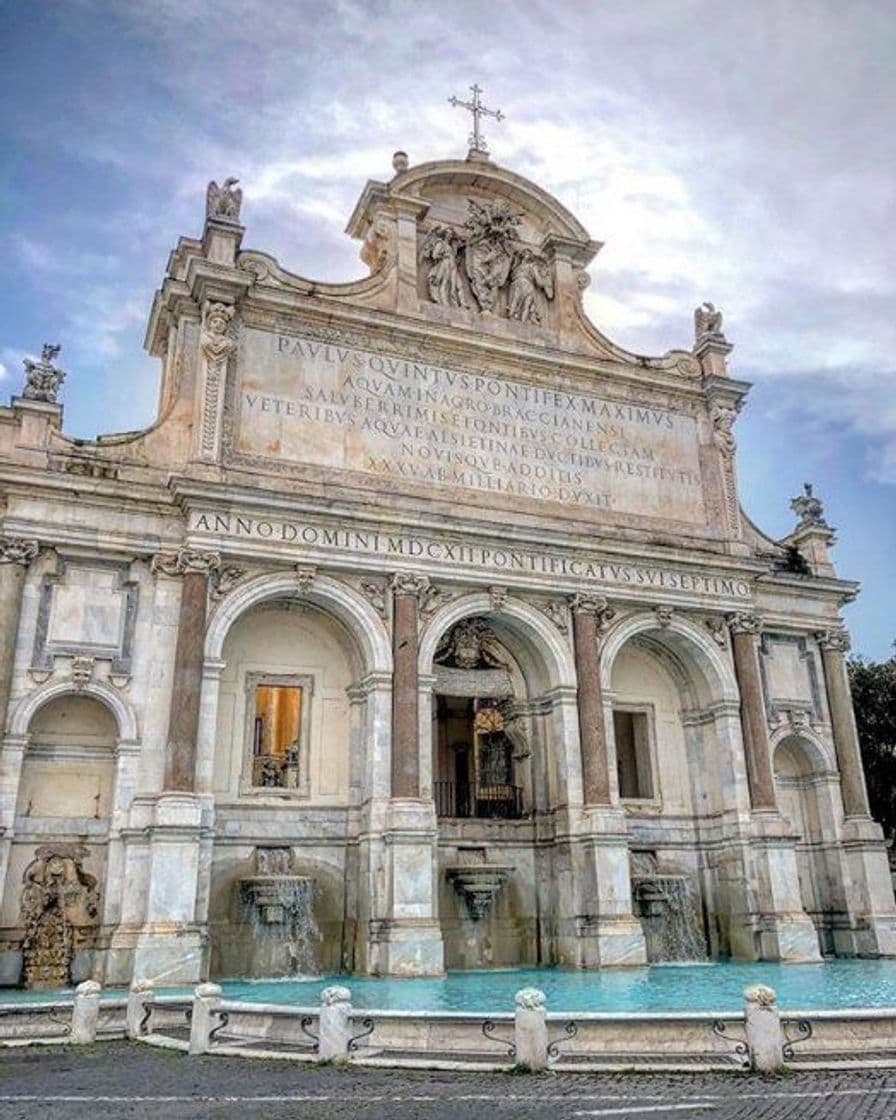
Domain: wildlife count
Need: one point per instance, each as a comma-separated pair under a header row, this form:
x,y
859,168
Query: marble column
x,y
589,614
403,933
406,590
194,567
833,644
15,556
744,631
171,944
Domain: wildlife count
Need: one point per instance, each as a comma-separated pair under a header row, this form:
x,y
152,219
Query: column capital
x,y
835,639
744,623
596,605
186,560
408,583
18,550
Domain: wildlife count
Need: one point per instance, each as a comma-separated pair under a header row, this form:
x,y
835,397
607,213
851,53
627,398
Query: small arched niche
x,y
808,795
69,764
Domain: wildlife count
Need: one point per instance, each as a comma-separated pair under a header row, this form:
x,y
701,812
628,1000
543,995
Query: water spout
x,y
279,908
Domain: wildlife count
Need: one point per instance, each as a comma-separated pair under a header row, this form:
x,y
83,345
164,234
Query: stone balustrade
x,y
760,1037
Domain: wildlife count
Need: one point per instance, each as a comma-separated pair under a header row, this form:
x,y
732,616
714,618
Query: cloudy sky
x,y
743,153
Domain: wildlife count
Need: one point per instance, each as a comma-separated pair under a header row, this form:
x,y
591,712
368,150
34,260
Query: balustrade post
x,y
85,1013
334,1024
206,999
530,1029
765,1041
140,994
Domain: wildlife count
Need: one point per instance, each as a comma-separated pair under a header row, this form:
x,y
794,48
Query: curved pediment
x,y
445,184
482,248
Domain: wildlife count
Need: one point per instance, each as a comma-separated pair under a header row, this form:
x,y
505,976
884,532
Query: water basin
x,y
716,986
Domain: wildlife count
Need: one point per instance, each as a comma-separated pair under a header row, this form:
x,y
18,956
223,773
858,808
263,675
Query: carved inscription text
x,y
329,542
307,401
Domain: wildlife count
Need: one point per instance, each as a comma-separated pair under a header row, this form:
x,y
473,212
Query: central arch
x,y
517,766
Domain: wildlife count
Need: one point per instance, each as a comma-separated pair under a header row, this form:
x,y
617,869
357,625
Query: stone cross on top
x,y
477,140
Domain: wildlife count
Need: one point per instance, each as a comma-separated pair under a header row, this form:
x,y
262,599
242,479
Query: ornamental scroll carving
x,y
593,604
503,275
723,417
186,560
836,639
223,580
18,550
557,611
744,623
59,911
375,590
217,344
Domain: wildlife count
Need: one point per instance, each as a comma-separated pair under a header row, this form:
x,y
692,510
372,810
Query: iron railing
x,y
479,800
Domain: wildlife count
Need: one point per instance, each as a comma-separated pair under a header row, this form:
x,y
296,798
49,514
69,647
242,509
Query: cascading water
x,y
670,920
279,908
669,911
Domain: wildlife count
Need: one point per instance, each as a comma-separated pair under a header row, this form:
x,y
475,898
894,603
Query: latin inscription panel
x,y
311,402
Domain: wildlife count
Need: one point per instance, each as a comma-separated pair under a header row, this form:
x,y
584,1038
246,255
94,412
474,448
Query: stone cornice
x,y
520,358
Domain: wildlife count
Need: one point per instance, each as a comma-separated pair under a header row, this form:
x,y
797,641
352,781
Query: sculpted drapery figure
x,y
441,247
529,274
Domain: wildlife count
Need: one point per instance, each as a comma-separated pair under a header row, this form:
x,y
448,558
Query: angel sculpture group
x,y
492,257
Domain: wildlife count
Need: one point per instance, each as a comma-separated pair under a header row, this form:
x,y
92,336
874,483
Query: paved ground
x,y
119,1079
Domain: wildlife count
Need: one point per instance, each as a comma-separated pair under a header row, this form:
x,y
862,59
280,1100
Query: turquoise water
x,y
716,987
711,987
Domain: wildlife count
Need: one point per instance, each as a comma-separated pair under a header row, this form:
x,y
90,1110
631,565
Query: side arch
x,y
819,755
30,705
689,645
331,595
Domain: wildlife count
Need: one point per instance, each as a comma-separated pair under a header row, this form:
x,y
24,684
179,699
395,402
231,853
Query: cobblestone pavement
x,y
119,1079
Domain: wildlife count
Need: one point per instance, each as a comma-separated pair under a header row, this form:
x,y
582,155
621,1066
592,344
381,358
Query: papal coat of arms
x,y
491,254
